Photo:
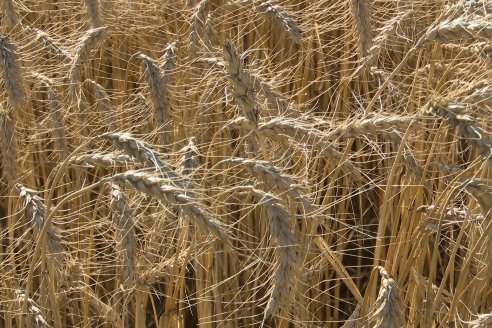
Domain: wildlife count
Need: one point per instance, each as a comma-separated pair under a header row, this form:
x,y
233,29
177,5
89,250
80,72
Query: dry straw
x,y
12,73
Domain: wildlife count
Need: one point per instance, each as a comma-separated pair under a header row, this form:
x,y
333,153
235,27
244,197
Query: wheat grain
x,y
278,128
450,31
190,159
270,176
284,276
143,153
469,131
159,189
244,94
200,16
12,73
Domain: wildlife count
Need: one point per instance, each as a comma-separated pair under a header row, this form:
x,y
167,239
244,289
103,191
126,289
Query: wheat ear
x,y
168,61
458,29
8,147
33,310
35,210
483,321
56,116
353,320
103,160
243,86
270,176
284,277
159,189
386,311
89,41
190,159
12,73
143,153
469,131
93,12
10,11
48,43
123,218
361,13
159,96
103,104
278,17
278,128
200,16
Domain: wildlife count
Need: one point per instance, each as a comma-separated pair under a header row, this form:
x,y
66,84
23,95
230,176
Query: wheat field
x,y
246,163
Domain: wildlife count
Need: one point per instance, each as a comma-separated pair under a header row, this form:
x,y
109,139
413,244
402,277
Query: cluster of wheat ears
x,y
246,163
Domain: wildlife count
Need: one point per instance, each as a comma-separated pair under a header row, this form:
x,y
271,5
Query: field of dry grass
x,y
246,163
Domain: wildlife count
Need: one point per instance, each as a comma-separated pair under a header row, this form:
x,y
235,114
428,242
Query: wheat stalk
x,y
159,189
12,73
8,147
92,39
159,96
